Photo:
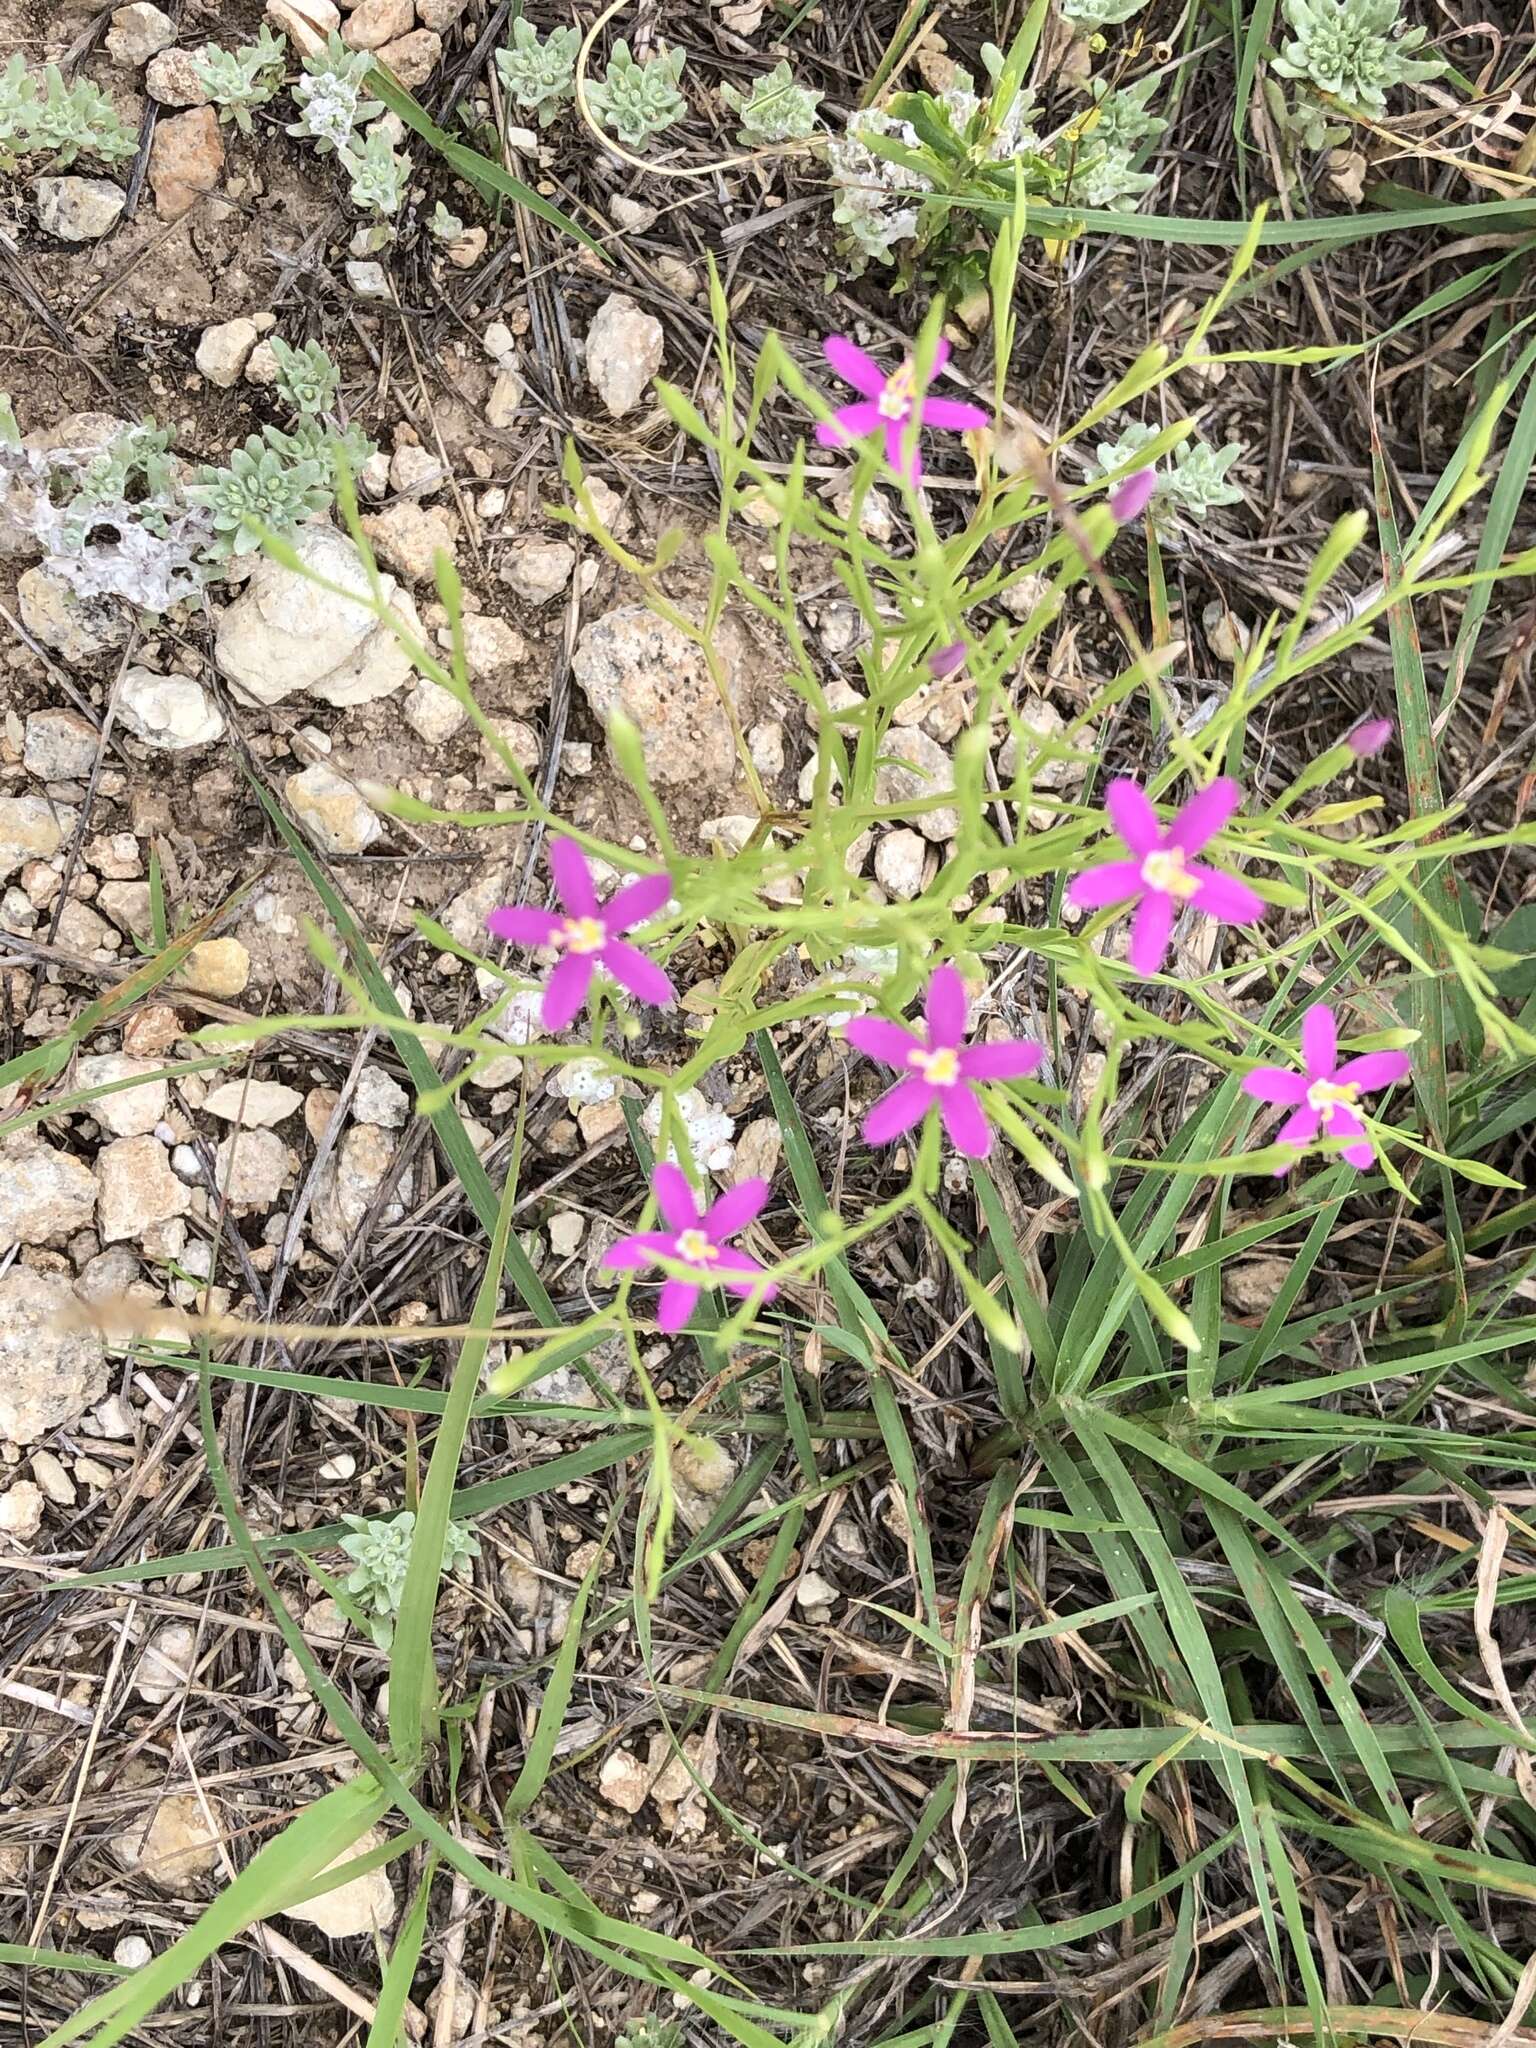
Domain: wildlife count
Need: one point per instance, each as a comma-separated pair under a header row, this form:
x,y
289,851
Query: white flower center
x,y
896,400
583,935
1325,1095
1164,870
939,1068
696,1248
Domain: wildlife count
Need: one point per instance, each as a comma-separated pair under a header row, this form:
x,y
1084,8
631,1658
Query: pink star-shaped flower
x,y
889,404
1323,1098
1162,877
1133,494
588,937
939,1068
697,1241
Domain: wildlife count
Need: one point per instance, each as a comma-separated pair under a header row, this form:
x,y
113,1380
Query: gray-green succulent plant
x,y
540,71
636,101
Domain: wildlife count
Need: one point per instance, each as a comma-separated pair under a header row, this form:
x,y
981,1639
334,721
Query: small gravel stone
x,y
416,470
59,746
44,1193
78,209
168,712
173,80
538,570
154,1029
21,1513
899,858
133,1951
520,741
916,768
433,713
217,967
185,160
380,1100
337,815
410,537
128,1112
223,351
307,23
173,1847
137,1189
413,58
368,279
253,1103
364,1905
51,1369
165,1669
372,23
80,630
31,829
53,1479
624,1781
624,351
251,1169
139,31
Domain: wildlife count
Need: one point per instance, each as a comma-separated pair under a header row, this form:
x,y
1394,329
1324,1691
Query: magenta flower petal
x,y
1224,896
1131,497
878,1040
520,924
573,878
1369,737
965,1121
945,1007
905,462
854,365
674,1197
642,977
953,415
1204,815
734,1210
1116,882
852,423
637,902
1151,929
1343,1123
640,1248
898,1110
1300,1127
739,1274
1319,1042
1133,816
1275,1084
947,661
566,990
1011,1059
1371,1070
675,1304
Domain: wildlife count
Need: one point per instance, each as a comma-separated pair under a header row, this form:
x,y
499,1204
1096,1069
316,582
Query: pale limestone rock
x,y
364,1905
59,746
224,350
168,712
216,967
165,1669
334,811
253,1103
173,1846
44,1193
128,1112
78,209
139,31
51,1369
137,1190
624,351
